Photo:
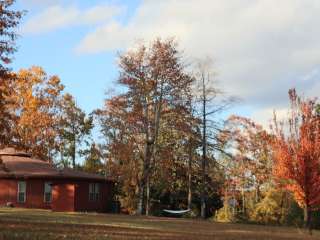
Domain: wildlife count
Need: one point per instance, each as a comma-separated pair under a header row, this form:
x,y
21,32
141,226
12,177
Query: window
x,y
47,192
22,186
94,192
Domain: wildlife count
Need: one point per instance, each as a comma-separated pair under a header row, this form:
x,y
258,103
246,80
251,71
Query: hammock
x,y
176,211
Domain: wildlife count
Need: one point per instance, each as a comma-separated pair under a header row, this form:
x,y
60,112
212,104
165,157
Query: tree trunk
x,y
140,199
204,154
279,217
243,200
307,218
148,195
74,152
145,176
257,193
203,184
190,177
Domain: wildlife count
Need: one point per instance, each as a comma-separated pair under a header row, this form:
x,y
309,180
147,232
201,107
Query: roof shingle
x,y
15,164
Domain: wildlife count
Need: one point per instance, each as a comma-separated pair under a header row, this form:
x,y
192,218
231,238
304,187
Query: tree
x,y
9,19
207,107
123,149
74,126
251,162
297,153
156,86
35,105
157,80
93,158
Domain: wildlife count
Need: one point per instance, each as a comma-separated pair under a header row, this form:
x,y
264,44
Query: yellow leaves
x,y
269,209
35,98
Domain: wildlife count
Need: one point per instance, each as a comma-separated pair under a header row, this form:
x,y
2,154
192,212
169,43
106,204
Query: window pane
x,y
47,192
47,197
22,186
47,187
21,197
97,188
94,191
91,187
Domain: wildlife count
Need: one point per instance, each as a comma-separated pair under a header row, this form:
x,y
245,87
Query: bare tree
x,y
209,103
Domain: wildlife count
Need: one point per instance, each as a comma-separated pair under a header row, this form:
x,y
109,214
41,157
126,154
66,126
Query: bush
x,y
193,213
295,215
225,214
316,219
270,209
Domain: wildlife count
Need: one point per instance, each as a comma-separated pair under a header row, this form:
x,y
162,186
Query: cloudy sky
x,y
261,48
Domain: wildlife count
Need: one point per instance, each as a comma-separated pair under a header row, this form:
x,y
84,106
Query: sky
x,y
261,48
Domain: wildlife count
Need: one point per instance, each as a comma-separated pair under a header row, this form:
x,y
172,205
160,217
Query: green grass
x,y
33,224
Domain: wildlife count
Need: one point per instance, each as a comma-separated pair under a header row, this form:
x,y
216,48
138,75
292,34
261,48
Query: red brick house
x,y
32,183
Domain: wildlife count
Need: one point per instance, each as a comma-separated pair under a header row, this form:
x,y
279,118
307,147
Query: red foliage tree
x,y
297,153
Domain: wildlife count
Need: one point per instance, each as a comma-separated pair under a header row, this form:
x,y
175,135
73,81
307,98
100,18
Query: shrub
x,y
225,214
295,215
270,210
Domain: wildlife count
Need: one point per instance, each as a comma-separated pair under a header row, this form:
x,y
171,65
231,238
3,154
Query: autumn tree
x,y
93,159
250,163
74,127
123,148
192,130
156,85
297,152
9,20
35,106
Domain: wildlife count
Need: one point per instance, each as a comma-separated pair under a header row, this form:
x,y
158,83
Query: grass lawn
x,y
40,224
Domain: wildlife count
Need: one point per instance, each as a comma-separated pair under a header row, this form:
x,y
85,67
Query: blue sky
x,y
261,48
86,76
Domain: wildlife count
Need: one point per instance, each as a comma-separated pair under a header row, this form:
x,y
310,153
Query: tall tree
x,y
74,127
297,153
207,107
156,85
35,104
160,85
9,19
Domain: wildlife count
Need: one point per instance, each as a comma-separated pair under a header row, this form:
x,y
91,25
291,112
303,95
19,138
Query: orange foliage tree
x,y
297,153
35,105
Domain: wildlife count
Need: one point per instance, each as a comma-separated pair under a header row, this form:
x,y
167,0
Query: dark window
x,y
47,192
94,192
22,187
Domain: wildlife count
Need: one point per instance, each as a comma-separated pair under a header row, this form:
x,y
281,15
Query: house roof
x,y
16,164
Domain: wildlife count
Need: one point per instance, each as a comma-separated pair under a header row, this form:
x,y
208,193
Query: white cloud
x,y
262,48
57,16
265,116
34,3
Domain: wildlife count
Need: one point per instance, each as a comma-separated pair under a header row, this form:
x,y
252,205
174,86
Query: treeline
x,y
163,139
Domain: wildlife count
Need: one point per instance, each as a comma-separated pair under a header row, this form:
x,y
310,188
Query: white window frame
x,y
46,192
94,192
20,192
